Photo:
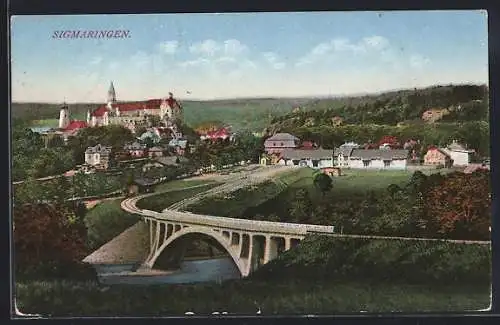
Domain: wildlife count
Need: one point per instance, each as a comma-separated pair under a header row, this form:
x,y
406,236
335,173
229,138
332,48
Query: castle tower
x,y
111,94
64,116
88,117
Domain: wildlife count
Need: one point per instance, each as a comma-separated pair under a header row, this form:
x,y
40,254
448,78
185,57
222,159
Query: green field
x,y
180,184
268,194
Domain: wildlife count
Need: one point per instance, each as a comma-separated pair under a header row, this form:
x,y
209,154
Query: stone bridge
x,y
250,243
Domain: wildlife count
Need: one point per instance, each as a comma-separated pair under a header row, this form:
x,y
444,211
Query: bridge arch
x,y
233,251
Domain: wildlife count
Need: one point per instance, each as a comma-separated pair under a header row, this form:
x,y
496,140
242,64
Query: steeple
x,y
111,93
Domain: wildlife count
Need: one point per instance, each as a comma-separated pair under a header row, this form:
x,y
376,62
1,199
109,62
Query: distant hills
x,y
464,103
257,113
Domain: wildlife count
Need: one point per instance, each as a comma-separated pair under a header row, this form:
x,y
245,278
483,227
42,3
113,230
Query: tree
x,y
323,182
459,206
45,242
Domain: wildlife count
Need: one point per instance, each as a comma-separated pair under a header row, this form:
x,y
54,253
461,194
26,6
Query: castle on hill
x,y
128,114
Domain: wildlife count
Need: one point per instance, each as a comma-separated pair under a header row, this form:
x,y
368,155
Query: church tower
x,y
64,116
111,94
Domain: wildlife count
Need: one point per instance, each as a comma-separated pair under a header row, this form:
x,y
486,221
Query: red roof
x,y
100,111
308,145
73,125
135,106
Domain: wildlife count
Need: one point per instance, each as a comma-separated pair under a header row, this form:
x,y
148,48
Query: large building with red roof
x,y
131,114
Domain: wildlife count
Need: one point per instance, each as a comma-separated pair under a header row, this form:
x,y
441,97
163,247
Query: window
x,y
282,144
387,163
315,163
366,163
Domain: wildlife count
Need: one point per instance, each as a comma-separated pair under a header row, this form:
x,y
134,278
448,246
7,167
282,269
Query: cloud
x,y
418,61
169,47
206,48
274,60
371,44
95,60
233,47
194,63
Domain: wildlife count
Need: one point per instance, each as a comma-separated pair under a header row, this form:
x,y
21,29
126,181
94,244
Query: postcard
x,y
250,164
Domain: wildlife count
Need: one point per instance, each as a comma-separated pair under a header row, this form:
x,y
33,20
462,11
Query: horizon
x,y
339,96
210,57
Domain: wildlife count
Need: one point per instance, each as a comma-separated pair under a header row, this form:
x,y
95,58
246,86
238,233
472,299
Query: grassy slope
x,y
235,204
107,220
161,201
244,297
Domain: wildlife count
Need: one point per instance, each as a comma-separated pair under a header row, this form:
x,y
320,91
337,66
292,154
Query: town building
x,y
434,115
437,157
178,145
279,142
460,155
378,159
135,149
318,158
155,152
220,134
343,153
132,114
98,157
66,126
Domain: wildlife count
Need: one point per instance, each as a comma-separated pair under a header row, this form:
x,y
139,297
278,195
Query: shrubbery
x,y
323,259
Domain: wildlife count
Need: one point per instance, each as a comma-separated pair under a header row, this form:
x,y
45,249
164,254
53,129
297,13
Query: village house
x,y
319,158
220,134
343,153
378,159
179,146
337,121
437,157
98,156
161,162
155,152
135,149
279,142
434,115
460,155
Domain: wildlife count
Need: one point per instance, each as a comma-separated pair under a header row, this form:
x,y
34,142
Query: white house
x,y
343,153
315,158
378,159
459,154
98,156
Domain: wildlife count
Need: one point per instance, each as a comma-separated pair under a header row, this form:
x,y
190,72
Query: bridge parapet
x,y
238,224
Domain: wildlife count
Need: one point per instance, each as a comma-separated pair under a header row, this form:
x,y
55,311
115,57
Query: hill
x,y
250,114
466,102
462,102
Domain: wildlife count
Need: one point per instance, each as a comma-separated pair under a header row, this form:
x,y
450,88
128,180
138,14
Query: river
x,y
190,271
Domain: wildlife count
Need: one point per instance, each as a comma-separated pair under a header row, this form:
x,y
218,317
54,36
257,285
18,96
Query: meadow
x,y
269,196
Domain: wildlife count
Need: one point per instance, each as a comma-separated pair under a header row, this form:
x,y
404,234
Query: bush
x,y
406,261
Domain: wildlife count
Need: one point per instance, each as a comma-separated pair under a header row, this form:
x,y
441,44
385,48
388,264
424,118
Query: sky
x,y
214,56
